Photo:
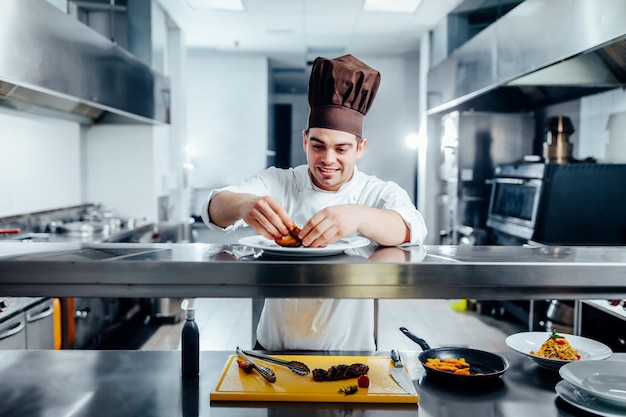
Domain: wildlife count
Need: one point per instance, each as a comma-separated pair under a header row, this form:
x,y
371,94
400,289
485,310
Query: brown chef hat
x,y
341,92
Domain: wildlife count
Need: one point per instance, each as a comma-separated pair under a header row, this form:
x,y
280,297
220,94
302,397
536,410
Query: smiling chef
x,y
329,198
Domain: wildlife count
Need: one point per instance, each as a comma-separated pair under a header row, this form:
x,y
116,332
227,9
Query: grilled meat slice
x,y
337,372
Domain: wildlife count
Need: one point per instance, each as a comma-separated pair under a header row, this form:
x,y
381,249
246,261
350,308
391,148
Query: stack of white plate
x,y
598,387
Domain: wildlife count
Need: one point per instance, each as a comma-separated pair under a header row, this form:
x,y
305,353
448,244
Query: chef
x,y
328,198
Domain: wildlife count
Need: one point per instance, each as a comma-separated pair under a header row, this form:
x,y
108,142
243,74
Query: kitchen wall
x,y
392,118
126,167
40,163
227,116
50,163
595,111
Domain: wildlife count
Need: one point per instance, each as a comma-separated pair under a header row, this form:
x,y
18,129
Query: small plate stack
x,y
595,386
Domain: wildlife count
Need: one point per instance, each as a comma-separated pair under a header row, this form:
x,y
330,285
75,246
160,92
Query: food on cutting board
x,y
292,239
452,365
557,347
337,372
363,381
245,366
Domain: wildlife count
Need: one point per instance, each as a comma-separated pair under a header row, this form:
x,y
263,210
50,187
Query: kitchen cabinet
x,y
13,332
26,323
40,325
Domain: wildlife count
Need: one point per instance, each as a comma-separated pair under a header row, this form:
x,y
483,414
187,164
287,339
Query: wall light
x,y
412,141
189,158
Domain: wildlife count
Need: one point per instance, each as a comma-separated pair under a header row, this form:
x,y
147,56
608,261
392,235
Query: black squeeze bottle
x,y
190,345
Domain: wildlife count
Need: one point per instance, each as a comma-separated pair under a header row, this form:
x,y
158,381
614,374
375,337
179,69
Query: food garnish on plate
x,y
557,347
292,239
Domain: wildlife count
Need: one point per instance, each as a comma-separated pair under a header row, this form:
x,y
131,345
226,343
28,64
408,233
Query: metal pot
x,y
557,147
80,228
559,312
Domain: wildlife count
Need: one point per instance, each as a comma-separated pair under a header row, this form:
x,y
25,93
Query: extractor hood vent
x,y
24,99
541,53
53,65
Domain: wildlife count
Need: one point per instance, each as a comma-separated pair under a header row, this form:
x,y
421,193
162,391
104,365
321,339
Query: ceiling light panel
x,y
273,6
230,5
333,6
395,6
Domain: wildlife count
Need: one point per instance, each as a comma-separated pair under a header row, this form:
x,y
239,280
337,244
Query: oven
x,y
558,204
514,201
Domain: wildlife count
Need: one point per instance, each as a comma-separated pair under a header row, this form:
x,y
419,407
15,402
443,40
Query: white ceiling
x,y
293,32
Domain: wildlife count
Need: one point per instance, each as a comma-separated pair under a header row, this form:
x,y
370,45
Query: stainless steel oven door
x,y
514,206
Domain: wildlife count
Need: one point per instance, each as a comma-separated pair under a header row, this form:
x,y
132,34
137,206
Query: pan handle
x,y
421,342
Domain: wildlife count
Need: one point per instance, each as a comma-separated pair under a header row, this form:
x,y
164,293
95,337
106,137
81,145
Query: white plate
x,y
526,342
585,401
271,247
605,379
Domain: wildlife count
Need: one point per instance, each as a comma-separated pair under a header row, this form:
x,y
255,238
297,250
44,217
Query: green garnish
x,y
555,336
348,390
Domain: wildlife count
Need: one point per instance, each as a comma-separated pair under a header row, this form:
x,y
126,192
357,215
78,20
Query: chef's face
x,y
331,156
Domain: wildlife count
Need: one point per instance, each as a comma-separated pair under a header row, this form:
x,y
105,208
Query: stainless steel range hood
x,y
52,64
541,53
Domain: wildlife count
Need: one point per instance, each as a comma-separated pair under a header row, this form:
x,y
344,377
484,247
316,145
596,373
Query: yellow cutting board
x,y
236,385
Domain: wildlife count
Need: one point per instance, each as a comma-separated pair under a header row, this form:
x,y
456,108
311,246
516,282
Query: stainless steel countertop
x,y
220,270
148,383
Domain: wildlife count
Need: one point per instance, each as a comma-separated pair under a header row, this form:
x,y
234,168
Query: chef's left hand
x,y
385,227
329,225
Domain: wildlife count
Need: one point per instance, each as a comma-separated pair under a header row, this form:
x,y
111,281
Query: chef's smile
x,y
327,172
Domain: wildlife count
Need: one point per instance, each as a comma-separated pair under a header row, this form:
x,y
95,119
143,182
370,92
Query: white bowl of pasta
x,y
553,350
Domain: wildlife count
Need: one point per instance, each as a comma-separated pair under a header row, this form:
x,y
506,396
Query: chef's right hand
x,y
266,216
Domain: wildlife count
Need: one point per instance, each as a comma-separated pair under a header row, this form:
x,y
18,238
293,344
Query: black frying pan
x,y
483,365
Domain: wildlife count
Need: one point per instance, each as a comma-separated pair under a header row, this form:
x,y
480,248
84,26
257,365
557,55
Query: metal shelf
x,y
218,270
605,306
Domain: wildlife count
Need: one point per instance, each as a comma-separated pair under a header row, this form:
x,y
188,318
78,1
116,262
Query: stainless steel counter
x,y
219,270
148,383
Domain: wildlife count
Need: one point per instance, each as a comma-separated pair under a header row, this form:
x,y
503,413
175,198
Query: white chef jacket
x,y
321,324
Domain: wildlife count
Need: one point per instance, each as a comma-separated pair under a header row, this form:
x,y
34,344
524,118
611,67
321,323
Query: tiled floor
x,y
227,323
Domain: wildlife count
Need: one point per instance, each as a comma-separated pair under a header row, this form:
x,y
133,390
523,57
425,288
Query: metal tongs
x,y
294,366
265,372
